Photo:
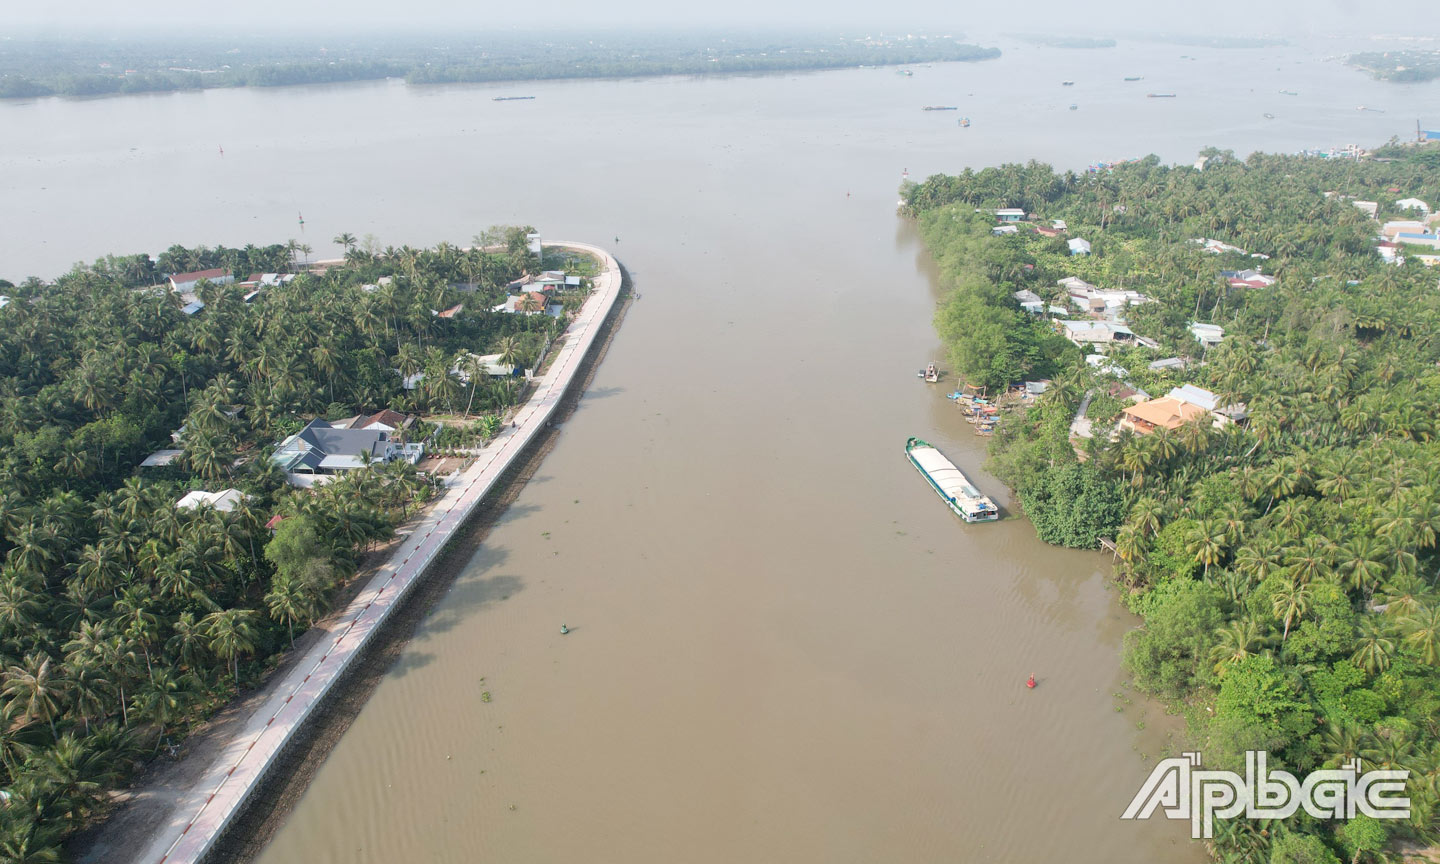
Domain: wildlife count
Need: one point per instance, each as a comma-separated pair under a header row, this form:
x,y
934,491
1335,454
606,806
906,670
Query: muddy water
x,y
783,647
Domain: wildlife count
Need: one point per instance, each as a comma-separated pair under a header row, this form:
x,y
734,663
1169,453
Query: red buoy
x,y
1031,682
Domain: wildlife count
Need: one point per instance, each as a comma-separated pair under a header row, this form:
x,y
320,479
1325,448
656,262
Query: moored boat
x,y
950,483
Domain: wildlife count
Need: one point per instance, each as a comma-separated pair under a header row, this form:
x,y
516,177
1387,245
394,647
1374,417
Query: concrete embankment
x,y
211,805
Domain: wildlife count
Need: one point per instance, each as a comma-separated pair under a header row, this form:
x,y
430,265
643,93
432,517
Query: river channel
x,y
782,646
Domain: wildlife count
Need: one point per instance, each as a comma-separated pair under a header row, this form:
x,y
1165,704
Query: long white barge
x,y
950,483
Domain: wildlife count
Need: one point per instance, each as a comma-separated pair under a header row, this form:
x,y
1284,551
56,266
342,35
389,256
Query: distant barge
x,y
940,108
953,487
511,98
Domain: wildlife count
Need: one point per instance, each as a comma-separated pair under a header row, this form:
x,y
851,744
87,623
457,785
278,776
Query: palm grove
x,y
1285,568
123,619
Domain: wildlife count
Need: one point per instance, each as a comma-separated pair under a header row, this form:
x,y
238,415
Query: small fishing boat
x,y
1067,83
1288,93
930,373
965,122
940,108
1269,116
1074,107
1160,95
950,483
1134,77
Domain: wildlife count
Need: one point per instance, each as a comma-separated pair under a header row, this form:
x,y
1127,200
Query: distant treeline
x,y
79,68
1065,41
1399,65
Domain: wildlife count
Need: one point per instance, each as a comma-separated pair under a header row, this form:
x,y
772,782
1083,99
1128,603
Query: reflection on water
x,y
783,648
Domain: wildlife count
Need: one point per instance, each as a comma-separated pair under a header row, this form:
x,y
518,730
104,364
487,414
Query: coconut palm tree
x,y
1421,631
232,632
1373,646
1290,603
35,689
1234,642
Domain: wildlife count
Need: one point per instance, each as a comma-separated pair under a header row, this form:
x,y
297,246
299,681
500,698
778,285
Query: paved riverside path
x,y
208,807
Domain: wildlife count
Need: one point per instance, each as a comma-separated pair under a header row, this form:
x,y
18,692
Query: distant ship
x,y
939,108
511,98
1269,116
1288,93
1074,107
1160,95
1135,78
1067,83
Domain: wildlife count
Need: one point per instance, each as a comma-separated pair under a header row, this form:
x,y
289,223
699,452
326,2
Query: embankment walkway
x,y
209,806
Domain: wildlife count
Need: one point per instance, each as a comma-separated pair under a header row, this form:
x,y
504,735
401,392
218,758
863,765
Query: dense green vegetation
x,y
1398,65
124,619
33,68
1285,568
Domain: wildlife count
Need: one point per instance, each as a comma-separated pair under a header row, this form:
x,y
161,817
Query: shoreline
x,y
326,685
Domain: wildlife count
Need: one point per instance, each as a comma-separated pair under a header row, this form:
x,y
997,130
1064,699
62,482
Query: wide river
x,y
783,648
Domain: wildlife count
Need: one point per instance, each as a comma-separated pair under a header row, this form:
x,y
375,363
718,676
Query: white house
x,y
1215,247
188,281
1079,246
532,243
1084,333
1412,204
224,501
1030,301
1369,208
1208,335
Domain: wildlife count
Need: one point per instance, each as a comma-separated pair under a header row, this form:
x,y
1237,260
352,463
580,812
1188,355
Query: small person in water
x,y
564,629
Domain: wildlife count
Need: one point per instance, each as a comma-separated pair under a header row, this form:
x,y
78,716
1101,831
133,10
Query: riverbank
x,y
187,826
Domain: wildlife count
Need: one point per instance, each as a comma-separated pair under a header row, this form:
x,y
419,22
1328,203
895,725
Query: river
x,y
783,648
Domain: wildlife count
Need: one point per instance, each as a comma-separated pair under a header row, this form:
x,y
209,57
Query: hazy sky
x,y
1237,17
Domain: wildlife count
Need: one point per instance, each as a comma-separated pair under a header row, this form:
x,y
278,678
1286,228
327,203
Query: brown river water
x,y
783,647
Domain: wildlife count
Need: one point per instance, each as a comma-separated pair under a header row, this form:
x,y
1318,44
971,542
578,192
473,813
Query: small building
x,y
1030,301
1168,364
1010,214
1079,246
1390,252
1396,227
532,244
1417,239
1047,232
1411,204
539,304
320,449
385,420
1208,335
1369,208
1215,247
1004,229
449,313
224,501
162,458
1166,412
1058,225
188,281
1100,333
192,307
4,301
